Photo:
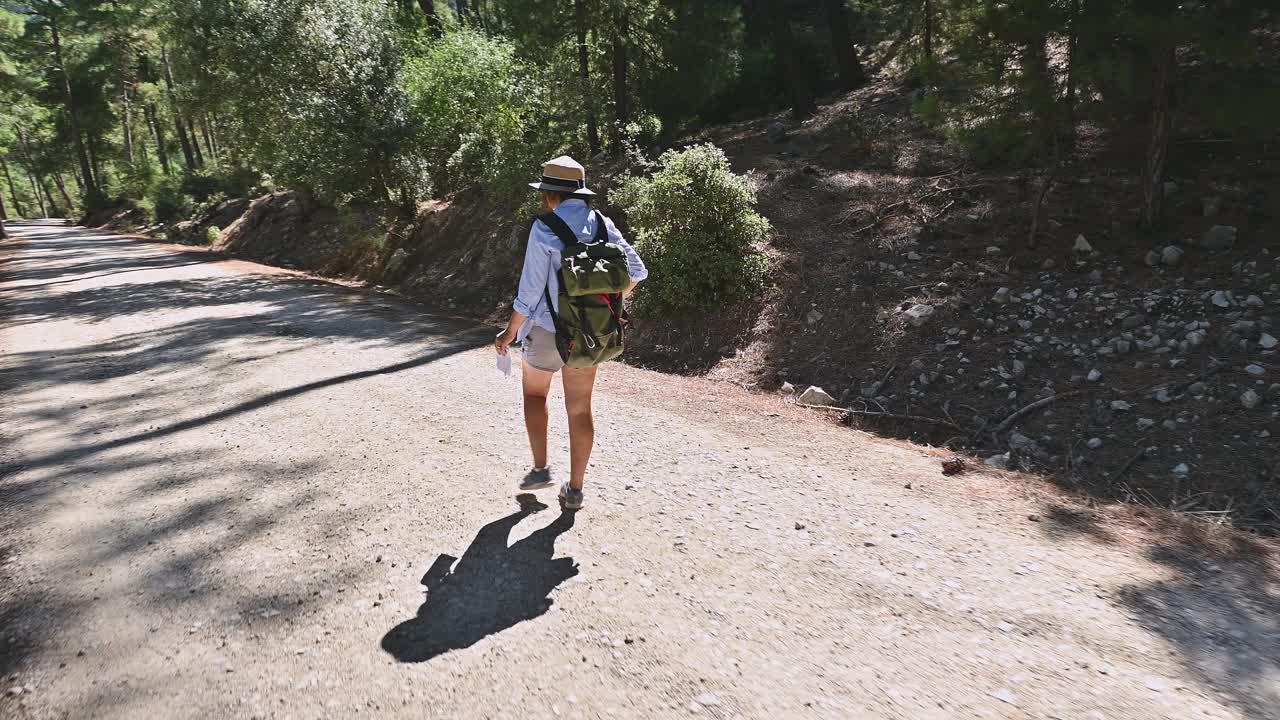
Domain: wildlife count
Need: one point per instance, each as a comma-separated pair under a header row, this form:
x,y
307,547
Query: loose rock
x,y
1250,399
919,314
1171,256
1219,237
1268,342
814,395
1082,245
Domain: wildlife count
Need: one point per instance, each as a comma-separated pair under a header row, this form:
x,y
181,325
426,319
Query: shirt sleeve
x,y
635,266
533,277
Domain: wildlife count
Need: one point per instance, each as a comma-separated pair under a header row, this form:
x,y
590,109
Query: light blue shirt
x,y
542,260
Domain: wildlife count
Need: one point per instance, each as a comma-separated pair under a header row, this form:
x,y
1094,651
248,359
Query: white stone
x,y
1181,469
919,314
1268,342
1255,369
1120,406
1095,375
814,395
1094,443
1221,300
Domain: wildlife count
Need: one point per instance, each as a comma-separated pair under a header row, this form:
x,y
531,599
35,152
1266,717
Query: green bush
x,y
211,235
170,203
694,224
476,107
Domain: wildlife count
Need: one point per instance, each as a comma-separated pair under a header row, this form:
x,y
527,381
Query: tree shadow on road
x,y
493,587
1219,607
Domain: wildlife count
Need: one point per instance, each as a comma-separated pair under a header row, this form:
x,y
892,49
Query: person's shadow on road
x,y
490,589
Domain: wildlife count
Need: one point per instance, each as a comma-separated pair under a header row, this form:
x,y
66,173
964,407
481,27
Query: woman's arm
x,y
533,283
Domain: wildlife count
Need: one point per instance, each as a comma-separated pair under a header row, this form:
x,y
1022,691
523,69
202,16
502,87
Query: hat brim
x,y
582,192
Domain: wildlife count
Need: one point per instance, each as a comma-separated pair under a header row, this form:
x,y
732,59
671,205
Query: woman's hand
x,y
503,341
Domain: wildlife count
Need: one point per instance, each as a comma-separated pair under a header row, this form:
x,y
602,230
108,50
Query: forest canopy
x,y
163,104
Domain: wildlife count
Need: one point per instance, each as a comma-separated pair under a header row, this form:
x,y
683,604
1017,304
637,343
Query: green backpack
x,y
591,322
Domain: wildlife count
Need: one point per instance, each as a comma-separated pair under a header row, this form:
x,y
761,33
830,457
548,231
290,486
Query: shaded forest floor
x,y
873,215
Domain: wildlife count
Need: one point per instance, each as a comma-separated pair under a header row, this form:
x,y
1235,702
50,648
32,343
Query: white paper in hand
x,y
504,363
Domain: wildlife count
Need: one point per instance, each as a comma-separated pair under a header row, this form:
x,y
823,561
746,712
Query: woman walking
x,y
568,313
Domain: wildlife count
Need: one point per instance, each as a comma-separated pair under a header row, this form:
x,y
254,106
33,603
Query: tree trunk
x,y
584,74
157,132
4,215
44,185
621,106
195,143
755,22
802,104
126,121
1068,132
460,8
35,188
94,158
851,73
90,184
208,138
433,18
13,189
62,190
928,31
1158,148
177,113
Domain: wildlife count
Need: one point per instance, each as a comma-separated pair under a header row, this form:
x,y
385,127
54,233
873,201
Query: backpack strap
x,y
601,233
559,227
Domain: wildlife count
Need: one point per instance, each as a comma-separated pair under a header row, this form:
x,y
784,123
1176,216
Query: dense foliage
x,y
168,103
695,226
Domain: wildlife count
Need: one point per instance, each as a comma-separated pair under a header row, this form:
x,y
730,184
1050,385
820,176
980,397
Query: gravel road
x,y
226,490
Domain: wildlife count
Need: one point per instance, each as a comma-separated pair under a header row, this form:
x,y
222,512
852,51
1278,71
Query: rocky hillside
x,y
910,290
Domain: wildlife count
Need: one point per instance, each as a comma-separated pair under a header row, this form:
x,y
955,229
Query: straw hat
x,y
563,174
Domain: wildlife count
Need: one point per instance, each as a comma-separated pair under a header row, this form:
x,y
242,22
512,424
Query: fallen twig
x,y
891,416
1005,423
1125,468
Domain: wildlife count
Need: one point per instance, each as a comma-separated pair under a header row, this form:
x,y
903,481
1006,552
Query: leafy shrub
x,y
170,202
694,224
211,235
476,106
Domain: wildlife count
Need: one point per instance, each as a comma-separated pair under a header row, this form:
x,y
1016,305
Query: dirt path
x,y
224,489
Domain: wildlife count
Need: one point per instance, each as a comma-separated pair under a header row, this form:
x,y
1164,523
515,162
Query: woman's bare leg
x,y
578,384
537,383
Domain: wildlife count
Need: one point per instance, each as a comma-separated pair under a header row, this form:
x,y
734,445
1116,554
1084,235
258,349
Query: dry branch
x,y
1013,417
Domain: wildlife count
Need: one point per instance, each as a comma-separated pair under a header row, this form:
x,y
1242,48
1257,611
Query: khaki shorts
x,y
540,350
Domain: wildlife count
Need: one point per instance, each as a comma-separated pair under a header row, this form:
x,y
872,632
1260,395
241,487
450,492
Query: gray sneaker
x,y
537,479
570,499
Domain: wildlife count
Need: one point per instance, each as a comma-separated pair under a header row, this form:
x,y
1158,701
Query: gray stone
x,y
1001,297
914,256
1146,423
1198,388
1133,322
1211,205
1254,301
1273,391
1048,264
993,250
1018,368
1250,399
1220,299
919,314
1094,443
1181,470
1000,462
777,132
1162,396
814,395
1081,245
1196,337
1255,369
813,317
1095,276
1094,375
1022,443
1152,258
395,263
1268,342
1171,255
1219,237
788,388
1120,406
